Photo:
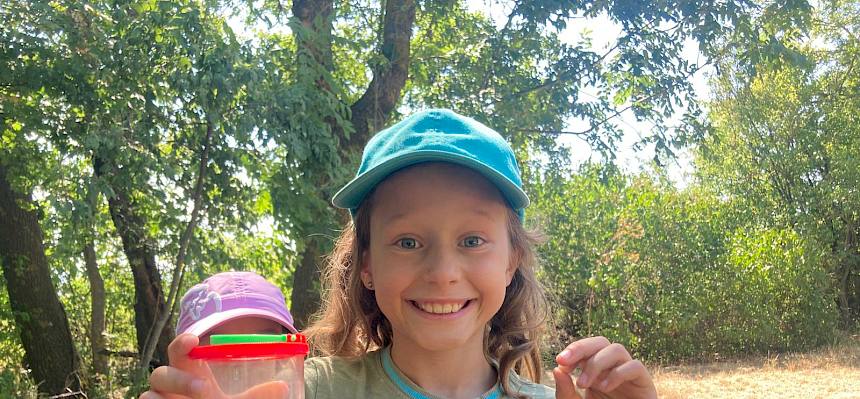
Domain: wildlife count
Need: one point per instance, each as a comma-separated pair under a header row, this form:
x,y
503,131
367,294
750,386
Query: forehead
x,y
437,185
247,325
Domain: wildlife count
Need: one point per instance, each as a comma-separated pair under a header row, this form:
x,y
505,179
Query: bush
x,y
675,275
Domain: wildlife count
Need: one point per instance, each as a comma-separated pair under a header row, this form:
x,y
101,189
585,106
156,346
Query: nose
x,y
443,267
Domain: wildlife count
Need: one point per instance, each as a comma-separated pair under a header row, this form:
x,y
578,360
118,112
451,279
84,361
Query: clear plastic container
x,y
243,362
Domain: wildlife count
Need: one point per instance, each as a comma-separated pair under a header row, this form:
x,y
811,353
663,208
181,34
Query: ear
x,y
513,265
365,274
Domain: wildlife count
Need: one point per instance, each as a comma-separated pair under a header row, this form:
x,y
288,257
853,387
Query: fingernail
x,y
564,355
197,386
603,385
582,380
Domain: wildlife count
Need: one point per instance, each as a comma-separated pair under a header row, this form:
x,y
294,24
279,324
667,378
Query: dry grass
x,y
829,373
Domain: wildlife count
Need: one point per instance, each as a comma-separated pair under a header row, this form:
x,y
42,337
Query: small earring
x,y
369,285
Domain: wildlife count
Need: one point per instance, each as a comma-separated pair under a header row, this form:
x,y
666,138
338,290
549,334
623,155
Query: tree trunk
x,y
305,297
39,315
315,16
149,296
369,113
848,293
372,110
97,311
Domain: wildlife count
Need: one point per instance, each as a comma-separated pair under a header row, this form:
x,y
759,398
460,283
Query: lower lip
x,y
443,316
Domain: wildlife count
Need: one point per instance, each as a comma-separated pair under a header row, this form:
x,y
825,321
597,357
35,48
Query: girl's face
x,y
244,325
440,255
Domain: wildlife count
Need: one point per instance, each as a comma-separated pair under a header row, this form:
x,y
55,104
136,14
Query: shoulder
x,y
325,369
532,390
340,377
328,366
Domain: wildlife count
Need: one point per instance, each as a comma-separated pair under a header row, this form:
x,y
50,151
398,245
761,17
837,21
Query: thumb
x,y
269,390
564,386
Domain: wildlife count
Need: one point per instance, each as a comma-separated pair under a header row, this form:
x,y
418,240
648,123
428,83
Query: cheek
x,y
494,274
387,283
388,299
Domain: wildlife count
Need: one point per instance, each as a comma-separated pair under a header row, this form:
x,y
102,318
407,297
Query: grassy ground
x,y
829,373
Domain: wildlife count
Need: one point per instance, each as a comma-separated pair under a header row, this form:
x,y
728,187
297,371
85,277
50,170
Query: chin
x,y
441,342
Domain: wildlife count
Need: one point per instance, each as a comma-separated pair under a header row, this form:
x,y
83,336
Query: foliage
x,y
13,378
783,145
729,265
676,275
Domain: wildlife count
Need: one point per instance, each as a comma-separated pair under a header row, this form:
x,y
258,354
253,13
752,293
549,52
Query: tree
x,y
40,316
149,137
201,142
518,77
312,22
782,142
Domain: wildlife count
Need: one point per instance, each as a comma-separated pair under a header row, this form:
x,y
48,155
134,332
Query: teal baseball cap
x,y
436,135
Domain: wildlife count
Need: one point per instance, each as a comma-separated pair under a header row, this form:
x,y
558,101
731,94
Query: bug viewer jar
x,y
250,361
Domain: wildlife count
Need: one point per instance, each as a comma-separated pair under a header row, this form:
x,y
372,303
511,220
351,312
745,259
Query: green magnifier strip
x,y
227,339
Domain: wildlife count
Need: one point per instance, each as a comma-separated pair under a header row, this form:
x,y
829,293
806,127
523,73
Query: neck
x,y
458,373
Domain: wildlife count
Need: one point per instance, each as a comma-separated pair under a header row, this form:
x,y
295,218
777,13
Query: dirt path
x,y
829,373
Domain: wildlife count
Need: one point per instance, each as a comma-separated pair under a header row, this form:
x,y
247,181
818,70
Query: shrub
x,y
675,275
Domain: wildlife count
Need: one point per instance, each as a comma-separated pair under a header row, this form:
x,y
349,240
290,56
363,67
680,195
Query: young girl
x,y
431,290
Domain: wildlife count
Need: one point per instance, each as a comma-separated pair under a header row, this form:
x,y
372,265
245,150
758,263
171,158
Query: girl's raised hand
x,y
187,378
608,372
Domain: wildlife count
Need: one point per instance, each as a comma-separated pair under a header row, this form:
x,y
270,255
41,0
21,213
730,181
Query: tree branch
x,y
374,107
184,241
615,114
563,77
555,132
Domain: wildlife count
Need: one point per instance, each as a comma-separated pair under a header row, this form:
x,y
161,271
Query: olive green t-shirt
x,y
374,376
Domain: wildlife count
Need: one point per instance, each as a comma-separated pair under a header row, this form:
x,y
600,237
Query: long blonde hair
x,y
349,323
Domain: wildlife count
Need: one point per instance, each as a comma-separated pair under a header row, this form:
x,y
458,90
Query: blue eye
x,y
407,243
472,241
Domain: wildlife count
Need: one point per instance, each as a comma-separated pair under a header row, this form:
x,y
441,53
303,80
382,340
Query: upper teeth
x,y
441,308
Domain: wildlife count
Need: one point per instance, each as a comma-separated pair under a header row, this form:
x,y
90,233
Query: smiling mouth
x,y
441,308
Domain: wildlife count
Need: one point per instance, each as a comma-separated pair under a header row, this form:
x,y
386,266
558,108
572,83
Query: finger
x,y
178,351
157,395
580,350
150,395
633,372
179,348
564,388
602,363
269,390
171,380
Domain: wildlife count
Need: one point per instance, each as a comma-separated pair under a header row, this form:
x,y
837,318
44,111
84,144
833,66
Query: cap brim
x,y
351,195
206,324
